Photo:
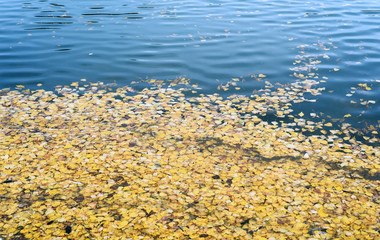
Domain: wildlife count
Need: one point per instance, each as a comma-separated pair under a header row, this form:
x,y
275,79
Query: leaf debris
x,y
87,162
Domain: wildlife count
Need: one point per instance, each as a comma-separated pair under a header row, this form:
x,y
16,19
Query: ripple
x,y
107,14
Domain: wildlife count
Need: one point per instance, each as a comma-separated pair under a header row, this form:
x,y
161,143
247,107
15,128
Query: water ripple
x,y
56,42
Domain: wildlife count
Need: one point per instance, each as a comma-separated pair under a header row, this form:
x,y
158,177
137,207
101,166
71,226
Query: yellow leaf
x,y
322,213
338,187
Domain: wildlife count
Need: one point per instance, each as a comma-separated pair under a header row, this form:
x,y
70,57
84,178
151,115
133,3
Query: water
x,y
56,42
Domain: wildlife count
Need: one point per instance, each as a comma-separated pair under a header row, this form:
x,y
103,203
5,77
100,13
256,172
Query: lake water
x,y
56,42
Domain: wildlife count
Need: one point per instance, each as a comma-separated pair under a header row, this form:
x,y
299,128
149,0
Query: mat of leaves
x,y
92,163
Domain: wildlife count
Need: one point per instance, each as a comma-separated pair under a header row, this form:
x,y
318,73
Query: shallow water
x,y
89,161
58,42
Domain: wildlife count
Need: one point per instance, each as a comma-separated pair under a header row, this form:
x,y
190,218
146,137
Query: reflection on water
x,y
56,42
59,12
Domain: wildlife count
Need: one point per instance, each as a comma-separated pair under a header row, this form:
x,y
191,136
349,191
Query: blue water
x,y
56,42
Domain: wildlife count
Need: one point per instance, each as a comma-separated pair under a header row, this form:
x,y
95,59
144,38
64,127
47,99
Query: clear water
x,y
56,42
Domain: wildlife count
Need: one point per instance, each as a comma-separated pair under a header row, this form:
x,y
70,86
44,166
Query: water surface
x,y
56,42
